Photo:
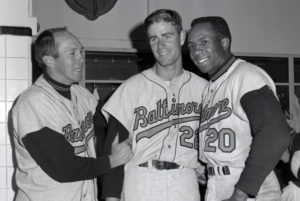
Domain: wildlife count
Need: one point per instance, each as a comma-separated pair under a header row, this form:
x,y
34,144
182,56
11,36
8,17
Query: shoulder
x,y
82,90
195,80
135,82
245,77
244,68
32,102
34,94
244,72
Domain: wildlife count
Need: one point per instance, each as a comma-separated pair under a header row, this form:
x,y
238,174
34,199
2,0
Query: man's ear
x,y
48,60
182,37
225,43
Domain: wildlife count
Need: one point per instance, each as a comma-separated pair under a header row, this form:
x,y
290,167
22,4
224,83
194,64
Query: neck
x,y
222,68
62,89
167,73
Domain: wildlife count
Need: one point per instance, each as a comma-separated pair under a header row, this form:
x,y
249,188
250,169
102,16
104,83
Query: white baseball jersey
x,y
162,119
225,135
292,191
41,106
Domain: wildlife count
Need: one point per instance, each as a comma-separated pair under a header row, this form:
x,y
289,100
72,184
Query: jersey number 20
x,y
226,140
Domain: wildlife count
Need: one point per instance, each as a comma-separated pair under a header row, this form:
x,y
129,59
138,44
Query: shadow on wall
x,y
36,69
12,143
139,41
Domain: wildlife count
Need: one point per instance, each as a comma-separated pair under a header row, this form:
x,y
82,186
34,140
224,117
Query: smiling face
x,y
67,67
165,43
207,50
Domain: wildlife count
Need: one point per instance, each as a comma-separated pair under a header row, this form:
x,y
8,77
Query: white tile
x,y
7,134
17,68
2,134
3,195
14,88
2,177
9,177
2,155
17,46
8,107
9,157
29,72
2,68
2,112
2,90
2,46
10,193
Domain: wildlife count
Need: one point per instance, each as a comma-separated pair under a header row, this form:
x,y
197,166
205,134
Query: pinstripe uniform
x,y
162,119
225,134
73,119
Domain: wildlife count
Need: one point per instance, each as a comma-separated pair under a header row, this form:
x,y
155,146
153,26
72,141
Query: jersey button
x,y
169,146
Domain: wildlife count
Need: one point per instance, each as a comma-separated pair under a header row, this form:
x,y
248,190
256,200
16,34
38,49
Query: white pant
x,y
148,184
221,187
290,193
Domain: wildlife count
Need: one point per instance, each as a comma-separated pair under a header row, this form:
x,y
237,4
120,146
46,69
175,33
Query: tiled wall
x,y
15,77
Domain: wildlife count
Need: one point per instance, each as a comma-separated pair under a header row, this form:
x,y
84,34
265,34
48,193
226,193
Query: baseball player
x,y
160,108
243,132
54,130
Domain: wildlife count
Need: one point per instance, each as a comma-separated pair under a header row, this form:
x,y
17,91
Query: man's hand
x,y
201,177
237,195
120,152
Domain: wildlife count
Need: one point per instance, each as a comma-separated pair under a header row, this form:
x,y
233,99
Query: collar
x,y
61,88
223,68
56,85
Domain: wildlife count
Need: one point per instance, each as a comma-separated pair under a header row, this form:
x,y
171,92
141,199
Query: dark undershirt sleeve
x,y
99,119
271,138
56,157
112,183
100,127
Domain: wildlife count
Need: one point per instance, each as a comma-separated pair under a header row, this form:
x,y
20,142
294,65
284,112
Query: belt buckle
x,y
164,165
160,165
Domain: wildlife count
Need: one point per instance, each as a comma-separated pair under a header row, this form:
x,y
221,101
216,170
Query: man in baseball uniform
x,y
243,132
160,108
54,130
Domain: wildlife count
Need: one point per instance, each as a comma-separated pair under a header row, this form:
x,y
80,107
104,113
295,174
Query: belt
x,y
218,170
160,165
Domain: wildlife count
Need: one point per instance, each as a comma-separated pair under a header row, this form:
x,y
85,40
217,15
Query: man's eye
x,y
191,47
166,36
204,42
152,40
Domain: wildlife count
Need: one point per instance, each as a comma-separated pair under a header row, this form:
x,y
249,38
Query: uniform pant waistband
x,y
160,165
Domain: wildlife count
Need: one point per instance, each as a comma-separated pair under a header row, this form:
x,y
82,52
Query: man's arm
x,y
56,157
112,183
270,138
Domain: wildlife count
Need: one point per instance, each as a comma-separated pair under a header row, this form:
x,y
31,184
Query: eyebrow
x,y
168,33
